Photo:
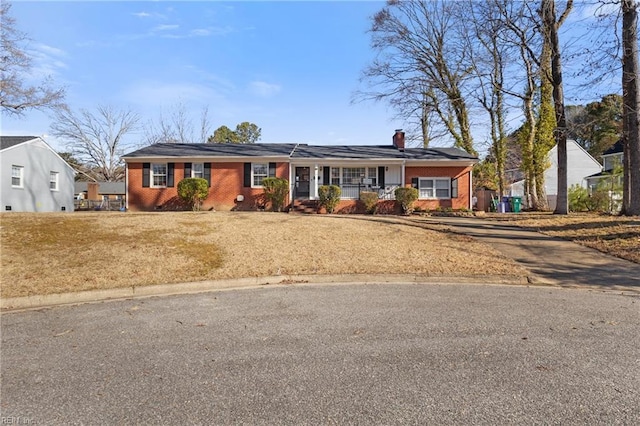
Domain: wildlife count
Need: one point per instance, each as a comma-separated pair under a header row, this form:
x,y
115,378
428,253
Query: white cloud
x,y
145,15
200,32
166,27
264,89
50,50
47,60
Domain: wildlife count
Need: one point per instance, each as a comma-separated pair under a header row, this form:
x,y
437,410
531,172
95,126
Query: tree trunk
x,y
551,30
631,99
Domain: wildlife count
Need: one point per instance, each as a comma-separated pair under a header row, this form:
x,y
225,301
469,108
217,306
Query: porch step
x,y
304,207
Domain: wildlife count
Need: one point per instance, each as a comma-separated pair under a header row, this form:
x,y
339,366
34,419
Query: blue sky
x,y
289,67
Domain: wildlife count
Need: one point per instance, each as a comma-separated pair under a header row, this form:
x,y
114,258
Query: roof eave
x,y
212,158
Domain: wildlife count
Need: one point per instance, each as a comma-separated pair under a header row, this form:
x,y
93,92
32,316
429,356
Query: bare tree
x,y
489,55
177,127
631,100
97,139
420,50
205,125
414,107
16,95
551,27
522,35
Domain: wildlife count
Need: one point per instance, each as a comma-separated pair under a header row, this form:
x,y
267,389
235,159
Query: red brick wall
x,y
462,173
226,184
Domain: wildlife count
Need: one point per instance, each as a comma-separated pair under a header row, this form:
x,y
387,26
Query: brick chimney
x,y
93,188
398,139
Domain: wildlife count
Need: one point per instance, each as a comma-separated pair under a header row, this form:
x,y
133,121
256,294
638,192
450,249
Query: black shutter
x,y
247,175
187,170
272,169
146,174
414,182
207,173
326,175
454,188
170,174
381,176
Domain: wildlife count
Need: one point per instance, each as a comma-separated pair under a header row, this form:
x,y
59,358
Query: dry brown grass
x,y
54,253
615,235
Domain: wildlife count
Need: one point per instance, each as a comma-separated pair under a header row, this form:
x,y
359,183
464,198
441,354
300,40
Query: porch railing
x,y
386,192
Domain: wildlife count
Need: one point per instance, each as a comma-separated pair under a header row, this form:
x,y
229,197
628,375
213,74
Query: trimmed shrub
x,y
370,201
406,196
329,197
193,191
275,192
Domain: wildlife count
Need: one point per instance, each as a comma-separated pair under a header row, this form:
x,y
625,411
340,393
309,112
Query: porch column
x,y
402,174
291,185
314,193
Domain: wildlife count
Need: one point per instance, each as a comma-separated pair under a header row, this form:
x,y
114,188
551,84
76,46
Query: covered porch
x,y
353,179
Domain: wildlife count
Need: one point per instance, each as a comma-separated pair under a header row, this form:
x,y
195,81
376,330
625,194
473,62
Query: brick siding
x,y
226,184
461,173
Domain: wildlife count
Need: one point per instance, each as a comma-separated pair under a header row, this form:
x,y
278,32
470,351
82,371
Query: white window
x,y
335,176
259,171
197,170
158,175
53,181
353,175
17,176
434,187
372,175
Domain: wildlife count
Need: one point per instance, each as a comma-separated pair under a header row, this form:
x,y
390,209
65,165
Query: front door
x,y
302,182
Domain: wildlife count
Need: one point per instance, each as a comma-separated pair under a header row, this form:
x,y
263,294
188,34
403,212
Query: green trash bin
x,y
516,204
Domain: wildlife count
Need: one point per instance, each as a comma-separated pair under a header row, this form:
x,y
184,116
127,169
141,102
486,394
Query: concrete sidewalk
x,y
551,260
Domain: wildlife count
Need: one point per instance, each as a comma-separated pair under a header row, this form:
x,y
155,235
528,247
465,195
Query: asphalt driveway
x,y
344,354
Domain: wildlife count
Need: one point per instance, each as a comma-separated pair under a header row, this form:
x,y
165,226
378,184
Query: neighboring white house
x,y
580,165
34,177
610,159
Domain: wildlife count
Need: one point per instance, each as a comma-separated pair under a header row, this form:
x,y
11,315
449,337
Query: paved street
x,y
345,354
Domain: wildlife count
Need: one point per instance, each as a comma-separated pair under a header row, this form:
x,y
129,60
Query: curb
x,y
93,296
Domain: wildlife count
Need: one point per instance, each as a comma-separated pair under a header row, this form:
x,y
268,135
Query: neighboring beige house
x,y
34,177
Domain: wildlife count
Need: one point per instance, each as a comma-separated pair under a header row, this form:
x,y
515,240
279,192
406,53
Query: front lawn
x,y
54,253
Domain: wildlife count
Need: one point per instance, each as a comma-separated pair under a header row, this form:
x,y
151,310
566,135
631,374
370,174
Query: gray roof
x,y
299,151
104,188
9,141
378,151
213,150
617,148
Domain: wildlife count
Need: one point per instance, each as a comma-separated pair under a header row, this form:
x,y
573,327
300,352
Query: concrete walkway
x,y
551,260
